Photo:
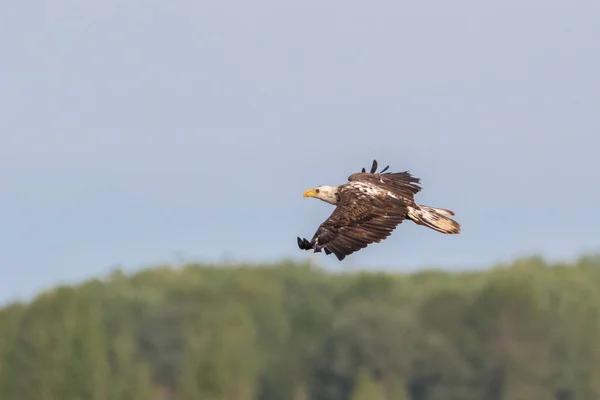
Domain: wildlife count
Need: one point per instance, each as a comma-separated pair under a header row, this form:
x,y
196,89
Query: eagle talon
x,y
304,244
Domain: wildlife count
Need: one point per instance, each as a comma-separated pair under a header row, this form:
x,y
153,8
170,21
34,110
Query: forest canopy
x,y
525,330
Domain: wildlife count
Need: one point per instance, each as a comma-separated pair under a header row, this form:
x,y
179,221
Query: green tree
x,y
371,335
510,327
10,318
366,388
87,369
222,362
60,350
397,390
130,377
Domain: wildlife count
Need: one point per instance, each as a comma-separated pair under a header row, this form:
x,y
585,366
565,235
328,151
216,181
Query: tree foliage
x,y
527,330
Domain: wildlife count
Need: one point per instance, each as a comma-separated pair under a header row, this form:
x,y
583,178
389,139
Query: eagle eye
x,y
317,190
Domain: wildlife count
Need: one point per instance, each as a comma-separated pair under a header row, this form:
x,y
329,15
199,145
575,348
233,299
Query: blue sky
x,y
134,132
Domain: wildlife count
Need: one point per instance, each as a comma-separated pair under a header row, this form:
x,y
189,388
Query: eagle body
x,y
369,207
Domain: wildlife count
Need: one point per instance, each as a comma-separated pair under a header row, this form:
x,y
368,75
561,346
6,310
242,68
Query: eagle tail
x,y
434,218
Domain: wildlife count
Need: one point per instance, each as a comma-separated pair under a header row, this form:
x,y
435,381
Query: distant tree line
x,y
525,331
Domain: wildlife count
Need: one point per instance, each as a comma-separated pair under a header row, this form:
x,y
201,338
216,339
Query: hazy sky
x,y
133,131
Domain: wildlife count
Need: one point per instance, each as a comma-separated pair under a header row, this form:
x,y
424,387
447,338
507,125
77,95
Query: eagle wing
x,y
357,221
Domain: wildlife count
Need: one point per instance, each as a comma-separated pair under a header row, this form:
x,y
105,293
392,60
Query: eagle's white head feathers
x,y
326,193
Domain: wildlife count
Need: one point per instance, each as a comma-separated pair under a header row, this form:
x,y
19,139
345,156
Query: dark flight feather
x,y
374,167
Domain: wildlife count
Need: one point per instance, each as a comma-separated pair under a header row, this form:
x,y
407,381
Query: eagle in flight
x,y
368,209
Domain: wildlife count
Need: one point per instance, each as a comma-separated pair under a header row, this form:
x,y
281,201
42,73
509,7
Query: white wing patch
x,y
371,190
366,188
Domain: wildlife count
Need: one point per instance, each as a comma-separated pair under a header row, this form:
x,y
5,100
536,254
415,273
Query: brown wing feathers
x,y
345,240
357,221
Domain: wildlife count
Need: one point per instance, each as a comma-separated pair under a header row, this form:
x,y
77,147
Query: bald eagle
x,y
368,209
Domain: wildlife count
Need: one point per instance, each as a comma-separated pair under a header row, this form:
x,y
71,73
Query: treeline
x,y
525,331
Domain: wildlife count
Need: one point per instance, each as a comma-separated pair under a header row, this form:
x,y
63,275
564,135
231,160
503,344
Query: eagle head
x,y
328,194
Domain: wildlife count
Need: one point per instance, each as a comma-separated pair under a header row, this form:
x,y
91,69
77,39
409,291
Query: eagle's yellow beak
x,y
310,193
